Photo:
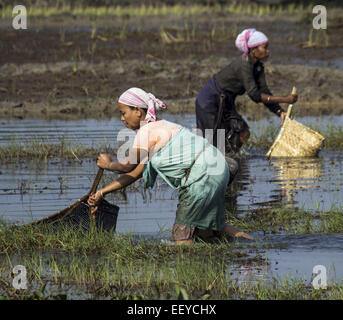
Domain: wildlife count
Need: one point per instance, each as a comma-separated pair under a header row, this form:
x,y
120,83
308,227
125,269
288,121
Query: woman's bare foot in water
x,y
228,230
234,232
179,242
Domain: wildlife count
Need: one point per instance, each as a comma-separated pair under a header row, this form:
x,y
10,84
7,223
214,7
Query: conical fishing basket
x,y
78,215
295,140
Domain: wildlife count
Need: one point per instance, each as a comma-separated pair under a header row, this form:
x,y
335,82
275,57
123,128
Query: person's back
x,y
155,135
242,75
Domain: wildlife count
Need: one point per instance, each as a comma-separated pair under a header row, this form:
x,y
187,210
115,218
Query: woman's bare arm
x,y
126,165
122,182
266,98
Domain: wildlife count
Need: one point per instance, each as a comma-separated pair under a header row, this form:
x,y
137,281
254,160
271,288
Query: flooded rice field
x,y
33,189
58,79
95,132
44,186
88,132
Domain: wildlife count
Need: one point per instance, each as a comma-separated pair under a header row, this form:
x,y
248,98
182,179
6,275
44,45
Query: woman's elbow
x,y
128,167
255,95
256,98
122,169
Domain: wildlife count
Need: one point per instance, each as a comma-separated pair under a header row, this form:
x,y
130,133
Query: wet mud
x,y
72,68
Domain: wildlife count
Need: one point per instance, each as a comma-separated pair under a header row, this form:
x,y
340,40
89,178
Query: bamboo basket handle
x,y
96,180
288,114
290,107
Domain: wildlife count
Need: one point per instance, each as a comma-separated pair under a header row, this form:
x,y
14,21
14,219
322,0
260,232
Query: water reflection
x,y
297,173
249,274
35,189
290,257
304,183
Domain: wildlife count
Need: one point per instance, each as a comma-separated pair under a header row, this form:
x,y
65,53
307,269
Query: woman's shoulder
x,y
163,122
160,125
240,64
236,61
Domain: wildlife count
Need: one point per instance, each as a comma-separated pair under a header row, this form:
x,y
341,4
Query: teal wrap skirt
x,y
200,174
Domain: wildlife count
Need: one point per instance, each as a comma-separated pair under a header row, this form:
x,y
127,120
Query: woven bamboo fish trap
x,y
79,213
295,140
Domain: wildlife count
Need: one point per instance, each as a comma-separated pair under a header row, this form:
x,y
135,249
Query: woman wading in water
x,y
215,103
185,161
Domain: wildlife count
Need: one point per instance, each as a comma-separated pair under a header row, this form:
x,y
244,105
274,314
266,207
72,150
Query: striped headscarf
x,y
136,97
250,38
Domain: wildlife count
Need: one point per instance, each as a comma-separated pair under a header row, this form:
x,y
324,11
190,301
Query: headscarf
x,y
136,97
250,38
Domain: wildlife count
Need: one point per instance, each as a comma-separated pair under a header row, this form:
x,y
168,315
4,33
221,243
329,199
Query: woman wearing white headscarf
x,y
184,160
215,103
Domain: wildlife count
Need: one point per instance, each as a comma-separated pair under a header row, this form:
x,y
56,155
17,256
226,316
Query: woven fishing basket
x,y
295,140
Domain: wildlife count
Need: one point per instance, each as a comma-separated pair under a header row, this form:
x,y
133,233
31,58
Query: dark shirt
x,y
243,75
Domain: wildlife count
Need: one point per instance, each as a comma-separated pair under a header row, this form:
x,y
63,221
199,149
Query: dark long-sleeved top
x,y
243,75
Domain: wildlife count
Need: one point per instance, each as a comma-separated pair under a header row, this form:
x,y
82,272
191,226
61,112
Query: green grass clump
x,y
112,265
40,148
333,138
290,221
291,288
66,264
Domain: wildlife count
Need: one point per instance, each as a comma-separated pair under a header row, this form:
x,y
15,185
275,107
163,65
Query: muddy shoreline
x,y
74,68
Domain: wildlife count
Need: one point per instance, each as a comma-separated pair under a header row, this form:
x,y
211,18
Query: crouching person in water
x,y
185,161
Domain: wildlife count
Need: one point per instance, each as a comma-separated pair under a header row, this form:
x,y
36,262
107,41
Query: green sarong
x,y
201,194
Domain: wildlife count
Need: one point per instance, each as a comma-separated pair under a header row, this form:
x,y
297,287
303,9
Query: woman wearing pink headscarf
x,y
215,103
184,160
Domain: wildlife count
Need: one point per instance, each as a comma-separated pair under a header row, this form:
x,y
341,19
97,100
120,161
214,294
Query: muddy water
x,y
35,189
40,188
294,257
89,132
31,190
311,184
92,133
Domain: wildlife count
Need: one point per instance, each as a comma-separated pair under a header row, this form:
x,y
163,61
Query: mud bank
x,y
54,91
70,67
